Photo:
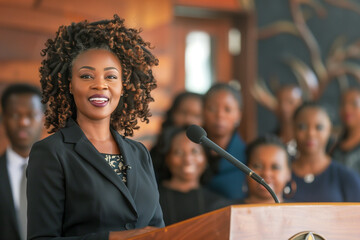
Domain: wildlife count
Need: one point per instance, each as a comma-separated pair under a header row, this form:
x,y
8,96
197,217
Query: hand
x,y
122,235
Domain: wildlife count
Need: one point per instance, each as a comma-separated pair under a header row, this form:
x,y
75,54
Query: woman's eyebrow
x,y
110,68
88,67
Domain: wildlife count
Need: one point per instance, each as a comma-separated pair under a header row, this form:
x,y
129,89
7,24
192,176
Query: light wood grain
x,y
334,221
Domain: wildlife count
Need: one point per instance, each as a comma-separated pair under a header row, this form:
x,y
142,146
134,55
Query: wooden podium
x,y
332,221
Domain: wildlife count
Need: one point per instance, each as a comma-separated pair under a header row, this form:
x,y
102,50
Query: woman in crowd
x,y
267,156
289,98
318,178
86,181
186,109
181,193
347,150
222,116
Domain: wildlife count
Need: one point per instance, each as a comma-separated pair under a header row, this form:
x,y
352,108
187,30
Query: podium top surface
x,y
268,221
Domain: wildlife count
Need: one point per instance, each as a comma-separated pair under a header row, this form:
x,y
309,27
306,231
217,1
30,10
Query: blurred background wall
x,y
314,44
258,44
26,25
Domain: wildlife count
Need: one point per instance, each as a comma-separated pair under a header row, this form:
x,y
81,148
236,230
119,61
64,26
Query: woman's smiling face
x,y
96,84
312,130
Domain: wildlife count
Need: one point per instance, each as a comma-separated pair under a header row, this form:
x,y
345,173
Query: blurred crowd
x,y
301,160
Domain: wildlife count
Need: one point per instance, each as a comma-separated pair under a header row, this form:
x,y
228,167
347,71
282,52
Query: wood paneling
x,y
48,15
26,25
232,5
20,71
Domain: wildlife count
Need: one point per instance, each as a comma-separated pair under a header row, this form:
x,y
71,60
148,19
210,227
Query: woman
x,y
222,115
267,156
347,150
318,178
289,99
187,109
181,193
86,181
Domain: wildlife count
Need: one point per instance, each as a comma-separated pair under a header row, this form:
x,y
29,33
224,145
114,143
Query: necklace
x,y
309,178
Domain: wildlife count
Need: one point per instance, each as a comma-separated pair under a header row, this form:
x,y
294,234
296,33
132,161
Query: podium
x,y
330,221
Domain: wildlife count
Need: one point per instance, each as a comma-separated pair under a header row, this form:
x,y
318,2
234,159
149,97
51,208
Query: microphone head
x,y
195,133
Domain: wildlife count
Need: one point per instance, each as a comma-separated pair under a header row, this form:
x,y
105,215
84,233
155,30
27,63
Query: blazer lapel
x,y
73,134
132,182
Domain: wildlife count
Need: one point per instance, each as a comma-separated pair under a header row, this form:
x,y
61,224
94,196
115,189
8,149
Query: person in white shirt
x,y
23,121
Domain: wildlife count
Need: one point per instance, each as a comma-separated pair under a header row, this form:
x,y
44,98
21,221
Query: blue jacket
x,y
228,179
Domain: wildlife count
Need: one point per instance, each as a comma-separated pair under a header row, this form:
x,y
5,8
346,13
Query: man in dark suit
x,y
22,117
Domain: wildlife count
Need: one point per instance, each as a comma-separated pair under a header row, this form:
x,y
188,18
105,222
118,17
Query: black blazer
x,y
9,228
72,191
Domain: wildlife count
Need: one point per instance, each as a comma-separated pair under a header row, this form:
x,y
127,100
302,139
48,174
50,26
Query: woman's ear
x,y
288,177
70,87
237,124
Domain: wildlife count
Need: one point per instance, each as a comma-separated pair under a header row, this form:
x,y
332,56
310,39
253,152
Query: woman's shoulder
x,y
339,150
343,172
47,148
52,140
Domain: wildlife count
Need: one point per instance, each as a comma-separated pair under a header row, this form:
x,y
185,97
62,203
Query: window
x,y
199,70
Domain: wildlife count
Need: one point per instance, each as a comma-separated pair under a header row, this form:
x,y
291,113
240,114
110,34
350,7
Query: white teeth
x,y
99,99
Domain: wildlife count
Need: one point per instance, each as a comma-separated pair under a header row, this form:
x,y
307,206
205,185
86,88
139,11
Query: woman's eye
x,y
275,167
195,151
211,108
86,76
319,127
228,109
355,103
257,166
178,152
112,77
301,126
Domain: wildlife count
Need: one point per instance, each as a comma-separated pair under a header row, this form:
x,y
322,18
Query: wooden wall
x,y
25,26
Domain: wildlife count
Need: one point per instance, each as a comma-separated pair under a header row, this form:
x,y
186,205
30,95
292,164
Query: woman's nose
x,y
266,173
187,158
100,83
310,132
219,113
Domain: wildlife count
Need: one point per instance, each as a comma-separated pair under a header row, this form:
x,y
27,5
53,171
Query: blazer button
x,y
129,226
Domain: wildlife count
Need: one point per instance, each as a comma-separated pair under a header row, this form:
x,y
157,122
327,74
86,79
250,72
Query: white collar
x,y
15,159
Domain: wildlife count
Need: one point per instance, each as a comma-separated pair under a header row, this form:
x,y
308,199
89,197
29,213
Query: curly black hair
x,y
136,62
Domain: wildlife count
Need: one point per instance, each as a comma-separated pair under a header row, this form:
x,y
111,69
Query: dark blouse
x,y
178,206
335,184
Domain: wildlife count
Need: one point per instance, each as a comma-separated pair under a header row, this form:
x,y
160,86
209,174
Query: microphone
x,y
198,135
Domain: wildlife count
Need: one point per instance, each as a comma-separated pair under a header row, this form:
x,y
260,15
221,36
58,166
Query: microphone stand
x,y
238,164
